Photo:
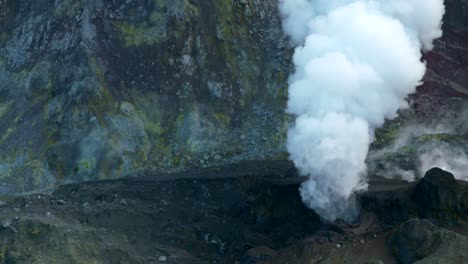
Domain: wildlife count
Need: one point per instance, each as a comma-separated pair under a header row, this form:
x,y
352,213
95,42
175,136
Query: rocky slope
x,y
103,89
435,127
248,213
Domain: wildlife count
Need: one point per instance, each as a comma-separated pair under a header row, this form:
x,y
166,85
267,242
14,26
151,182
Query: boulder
x,y
419,241
438,195
414,240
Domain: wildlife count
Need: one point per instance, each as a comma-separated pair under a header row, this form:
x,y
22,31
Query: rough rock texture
x,y
437,196
95,89
385,231
419,241
213,216
437,118
98,89
247,213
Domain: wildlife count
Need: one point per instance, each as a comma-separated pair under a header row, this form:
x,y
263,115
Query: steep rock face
x,y
98,89
106,88
437,119
448,63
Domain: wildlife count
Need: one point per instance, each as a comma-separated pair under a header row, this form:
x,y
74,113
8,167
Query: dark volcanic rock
x,y
99,89
250,212
419,241
414,240
439,195
187,220
437,117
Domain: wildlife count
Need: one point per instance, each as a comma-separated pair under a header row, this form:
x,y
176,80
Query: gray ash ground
x,y
250,212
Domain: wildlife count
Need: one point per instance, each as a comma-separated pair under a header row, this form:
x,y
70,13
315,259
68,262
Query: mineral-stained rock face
x,y
448,62
438,114
93,89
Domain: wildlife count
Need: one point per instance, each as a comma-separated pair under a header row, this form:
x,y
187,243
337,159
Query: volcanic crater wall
x,y
95,89
98,89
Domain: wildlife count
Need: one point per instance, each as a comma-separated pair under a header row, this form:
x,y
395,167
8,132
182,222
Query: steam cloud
x,y
453,160
423,155
356,61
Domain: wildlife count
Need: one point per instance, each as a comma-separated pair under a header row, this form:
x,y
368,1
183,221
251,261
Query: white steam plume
x,y
446,158
356,62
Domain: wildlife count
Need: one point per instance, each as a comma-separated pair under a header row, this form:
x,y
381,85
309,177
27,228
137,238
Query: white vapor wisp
x,y
356,61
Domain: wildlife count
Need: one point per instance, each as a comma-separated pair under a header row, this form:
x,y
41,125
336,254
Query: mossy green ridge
x,y
104,89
